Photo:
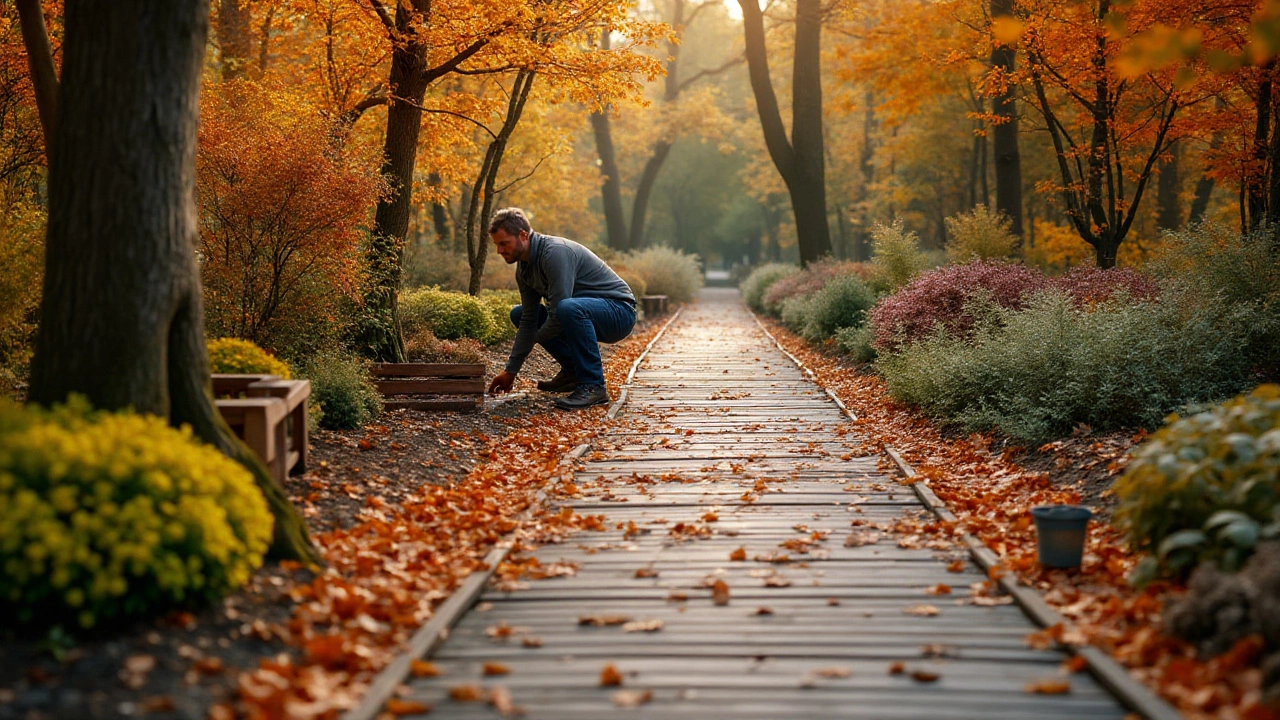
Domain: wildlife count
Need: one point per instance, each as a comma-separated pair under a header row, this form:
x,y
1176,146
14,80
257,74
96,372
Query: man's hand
x,y
501,383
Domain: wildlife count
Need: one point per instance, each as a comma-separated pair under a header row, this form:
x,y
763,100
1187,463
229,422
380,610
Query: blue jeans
x,y
584,321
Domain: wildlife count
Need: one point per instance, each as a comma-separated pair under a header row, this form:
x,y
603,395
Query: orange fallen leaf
x,y
1074,664
603,620
939,589
1048,686
764,611
833,601
467,693
710,517
495,668
158,704
897,667
956,567
396,706
646,572
776,581
720,592
424,668
643,626
921,610
832,672
610,677
531,642
677,596
924,676
500,699
208,665
631,698
738,555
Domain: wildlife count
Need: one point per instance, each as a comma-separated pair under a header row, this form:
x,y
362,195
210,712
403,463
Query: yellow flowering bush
x,y
116,515
243,357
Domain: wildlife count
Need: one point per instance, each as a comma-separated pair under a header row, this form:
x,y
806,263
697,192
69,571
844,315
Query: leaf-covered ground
x,y
990,488
402,510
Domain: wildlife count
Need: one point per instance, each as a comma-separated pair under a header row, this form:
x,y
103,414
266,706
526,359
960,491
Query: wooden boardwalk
x,y
737,449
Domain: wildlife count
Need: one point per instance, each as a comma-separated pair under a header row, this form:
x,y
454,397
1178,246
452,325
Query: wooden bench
x,y
417,386
270,415
653,305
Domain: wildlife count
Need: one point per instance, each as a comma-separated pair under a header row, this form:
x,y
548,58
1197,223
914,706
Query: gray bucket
x,y
1060,530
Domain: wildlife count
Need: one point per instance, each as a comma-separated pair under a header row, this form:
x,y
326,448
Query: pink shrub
x,y
939,297
811,280
1089,285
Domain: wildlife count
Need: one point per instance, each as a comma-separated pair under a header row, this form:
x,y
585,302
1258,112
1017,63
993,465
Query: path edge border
x,y
1131,693
428,637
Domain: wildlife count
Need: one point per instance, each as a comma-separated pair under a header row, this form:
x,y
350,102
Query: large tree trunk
x,y
1254,189
235,38
644,190
611,188
44,76
800,160
1168,185
382,338
122,310
1005,134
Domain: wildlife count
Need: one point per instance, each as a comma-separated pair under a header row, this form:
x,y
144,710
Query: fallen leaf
x,y
466,693
645,572
424,668
631,698
1074,664
610,677
720,592
140,663
924,676
1048,686
833,601
939,589
208,665
764,611
777,581
603,620
531,642
500,699
677,596
495,668
921,610
939,650
396,706
956,567
738,555
643,626
897,668
158,704
832,672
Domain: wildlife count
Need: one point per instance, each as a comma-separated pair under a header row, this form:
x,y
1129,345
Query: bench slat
x,y
438,387
467,370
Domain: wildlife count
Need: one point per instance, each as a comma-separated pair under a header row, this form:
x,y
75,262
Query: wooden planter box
x,y
653,305
270,415
430,386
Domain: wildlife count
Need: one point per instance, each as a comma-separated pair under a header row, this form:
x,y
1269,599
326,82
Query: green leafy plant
x,y
448,315
897,255
340,385
979,234
665,271
1205,487
498,303
855,342
243,357
109,516
755,285
841,303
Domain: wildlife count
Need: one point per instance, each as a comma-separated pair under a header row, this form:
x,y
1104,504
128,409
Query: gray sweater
x,y
557,269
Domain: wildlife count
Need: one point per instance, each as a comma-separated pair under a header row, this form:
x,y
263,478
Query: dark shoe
x,y
564,381
584,397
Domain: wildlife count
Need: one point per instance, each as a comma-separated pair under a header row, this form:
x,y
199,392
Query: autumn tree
x,y
123,320
800,159
1003,92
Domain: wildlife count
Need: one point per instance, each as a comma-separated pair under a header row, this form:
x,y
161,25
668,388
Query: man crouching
x,y
585,302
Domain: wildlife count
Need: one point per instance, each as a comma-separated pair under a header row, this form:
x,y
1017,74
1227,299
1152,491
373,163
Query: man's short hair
x,y
512,220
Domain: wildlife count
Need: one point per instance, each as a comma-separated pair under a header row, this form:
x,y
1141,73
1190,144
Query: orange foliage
x,y
280,210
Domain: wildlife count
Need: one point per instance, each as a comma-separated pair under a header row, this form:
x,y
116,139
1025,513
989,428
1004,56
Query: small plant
x,y
855,343
755,285
243,357
979,235
665,271
1204,487
114,516
448,315
809,281
841,303
897,255
340,384
939,298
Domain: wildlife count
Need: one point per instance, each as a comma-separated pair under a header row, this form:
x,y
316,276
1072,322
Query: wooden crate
x,y
430,386
270,415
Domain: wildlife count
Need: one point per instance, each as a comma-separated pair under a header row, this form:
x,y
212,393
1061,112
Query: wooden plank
x,y
423,404
442,386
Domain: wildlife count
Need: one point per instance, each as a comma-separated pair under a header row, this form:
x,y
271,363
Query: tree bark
x,y
235,40
1008,160
483,193
611,188
799,161
122,309
44,75
1168,185
1255,192
644,190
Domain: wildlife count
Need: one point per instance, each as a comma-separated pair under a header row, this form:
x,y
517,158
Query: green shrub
x,y
1205,487
841,303
810,280
243,357
855,342
1036,374
979,234
21,274
448,315
498,304
760,280
795,312
897,256
665,271
340,384
107,516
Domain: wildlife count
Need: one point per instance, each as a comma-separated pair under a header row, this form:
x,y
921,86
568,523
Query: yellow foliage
x,y
21,275
242,357
116,515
